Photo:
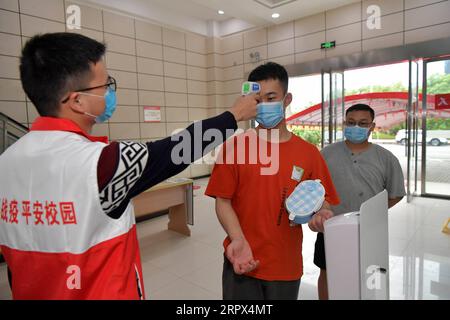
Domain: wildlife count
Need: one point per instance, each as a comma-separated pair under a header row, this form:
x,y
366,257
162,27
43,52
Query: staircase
x,y
10,131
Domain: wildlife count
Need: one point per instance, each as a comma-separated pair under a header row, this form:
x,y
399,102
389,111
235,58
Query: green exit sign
x,y
328,45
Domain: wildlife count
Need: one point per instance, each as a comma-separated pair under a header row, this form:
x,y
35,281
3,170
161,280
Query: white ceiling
x,y
200,16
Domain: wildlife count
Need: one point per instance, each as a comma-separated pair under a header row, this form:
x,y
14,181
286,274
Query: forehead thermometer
x,y
250,87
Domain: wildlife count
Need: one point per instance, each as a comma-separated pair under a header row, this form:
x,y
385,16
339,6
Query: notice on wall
x,y
152,114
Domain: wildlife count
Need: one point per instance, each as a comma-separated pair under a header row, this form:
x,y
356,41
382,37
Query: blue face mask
x,y
110,105
356,134
270,114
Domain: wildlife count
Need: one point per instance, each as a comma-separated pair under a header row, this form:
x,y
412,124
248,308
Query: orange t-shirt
x,y
258,199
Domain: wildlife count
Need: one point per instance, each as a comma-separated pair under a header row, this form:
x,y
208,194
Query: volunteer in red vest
x,y
67,226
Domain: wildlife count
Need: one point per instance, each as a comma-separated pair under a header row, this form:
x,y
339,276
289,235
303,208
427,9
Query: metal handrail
x,y
7,126
11,120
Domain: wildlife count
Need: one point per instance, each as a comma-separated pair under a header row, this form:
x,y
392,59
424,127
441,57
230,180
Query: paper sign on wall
x,y
152,114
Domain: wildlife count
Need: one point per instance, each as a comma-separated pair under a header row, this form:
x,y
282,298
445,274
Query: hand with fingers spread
x,y
317,220
240,255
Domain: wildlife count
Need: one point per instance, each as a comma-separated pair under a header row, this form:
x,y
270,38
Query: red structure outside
x,y
390,109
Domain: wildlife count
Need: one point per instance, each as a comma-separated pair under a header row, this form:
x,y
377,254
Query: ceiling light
x,y
275,15
221,12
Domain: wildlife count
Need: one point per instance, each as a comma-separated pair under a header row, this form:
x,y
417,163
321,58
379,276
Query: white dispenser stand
x,y
357,252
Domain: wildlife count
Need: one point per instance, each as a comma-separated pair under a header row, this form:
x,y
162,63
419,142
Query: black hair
x,y
361,107
270,70
53,64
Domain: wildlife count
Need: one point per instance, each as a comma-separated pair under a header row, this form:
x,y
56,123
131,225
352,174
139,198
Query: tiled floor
x,y
179,267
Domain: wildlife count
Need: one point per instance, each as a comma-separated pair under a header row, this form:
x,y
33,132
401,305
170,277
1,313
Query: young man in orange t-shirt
x,y
254,174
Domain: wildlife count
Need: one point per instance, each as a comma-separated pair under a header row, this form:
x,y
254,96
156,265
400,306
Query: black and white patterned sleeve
x,y
133,158
141,166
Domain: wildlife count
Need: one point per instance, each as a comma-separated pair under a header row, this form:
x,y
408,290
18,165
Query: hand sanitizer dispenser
x,y
357,252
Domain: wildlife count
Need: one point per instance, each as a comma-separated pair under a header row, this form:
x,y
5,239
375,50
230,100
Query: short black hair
x,y
53,64
270,70
361,107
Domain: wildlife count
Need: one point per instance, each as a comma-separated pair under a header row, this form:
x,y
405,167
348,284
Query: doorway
x,y
411,100
434,135
403,95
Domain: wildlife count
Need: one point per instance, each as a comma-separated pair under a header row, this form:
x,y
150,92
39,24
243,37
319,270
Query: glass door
x,y
326,109
304,114
338,105
332,107
436,128
412,126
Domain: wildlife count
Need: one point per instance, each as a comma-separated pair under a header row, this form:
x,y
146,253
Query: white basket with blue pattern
x,y
305,200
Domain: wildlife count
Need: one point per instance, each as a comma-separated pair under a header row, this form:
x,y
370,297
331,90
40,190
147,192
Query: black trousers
x,y
241,287
319,252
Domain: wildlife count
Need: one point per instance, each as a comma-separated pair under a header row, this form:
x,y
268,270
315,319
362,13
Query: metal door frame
x,y
323,111
412,127
424,127
332,109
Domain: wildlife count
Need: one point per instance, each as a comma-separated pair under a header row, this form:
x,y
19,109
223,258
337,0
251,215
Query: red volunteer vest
x,y
54,235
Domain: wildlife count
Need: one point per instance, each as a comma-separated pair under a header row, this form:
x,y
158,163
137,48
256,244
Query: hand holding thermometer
x,y
250,88
245,107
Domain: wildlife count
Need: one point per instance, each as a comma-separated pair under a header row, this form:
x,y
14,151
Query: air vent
x,y
271,4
